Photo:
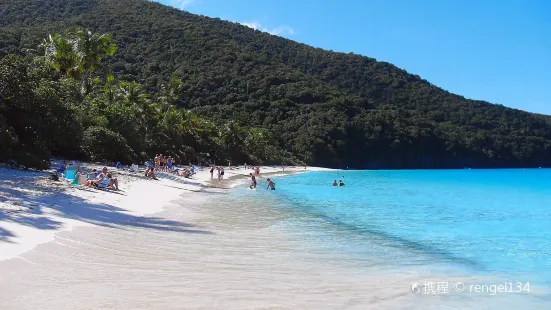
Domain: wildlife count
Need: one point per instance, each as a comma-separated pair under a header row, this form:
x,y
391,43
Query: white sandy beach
x,y
33,208
179,244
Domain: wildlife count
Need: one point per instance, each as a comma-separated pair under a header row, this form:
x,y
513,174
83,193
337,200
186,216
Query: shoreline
x,y
33,209
198,240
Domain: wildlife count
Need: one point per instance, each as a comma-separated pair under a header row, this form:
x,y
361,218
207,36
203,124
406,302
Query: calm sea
x,y
488,223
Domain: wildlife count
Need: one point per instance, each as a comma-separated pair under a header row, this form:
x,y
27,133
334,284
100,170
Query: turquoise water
x,y
484,222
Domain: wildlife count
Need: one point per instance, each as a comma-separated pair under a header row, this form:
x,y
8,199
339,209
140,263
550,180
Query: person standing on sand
x,y
218,168
221,173
211,172
169,163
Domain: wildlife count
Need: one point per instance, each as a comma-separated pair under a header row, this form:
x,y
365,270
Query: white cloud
x,y
278,31
254,25
182,4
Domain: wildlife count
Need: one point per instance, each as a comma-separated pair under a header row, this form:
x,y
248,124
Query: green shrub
x,y
101,144
8,140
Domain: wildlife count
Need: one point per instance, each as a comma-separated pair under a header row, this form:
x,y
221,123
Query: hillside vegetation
x,y
311,105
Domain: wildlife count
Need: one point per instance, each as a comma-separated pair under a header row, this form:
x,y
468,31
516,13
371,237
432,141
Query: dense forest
x,y
237,93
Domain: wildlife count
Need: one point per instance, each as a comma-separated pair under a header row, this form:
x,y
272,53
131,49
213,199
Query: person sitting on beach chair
x,y
104,180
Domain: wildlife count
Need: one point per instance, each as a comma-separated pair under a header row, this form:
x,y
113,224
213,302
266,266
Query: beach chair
x,y
71,173
103,184
60,170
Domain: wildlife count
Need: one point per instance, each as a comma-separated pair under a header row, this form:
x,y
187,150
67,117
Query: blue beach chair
x,y
133,168
71,173
104,183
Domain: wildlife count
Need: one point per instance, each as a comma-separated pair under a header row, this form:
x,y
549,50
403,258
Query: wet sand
x,y
205,251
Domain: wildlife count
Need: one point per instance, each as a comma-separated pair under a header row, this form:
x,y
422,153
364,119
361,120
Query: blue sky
x,y
493,50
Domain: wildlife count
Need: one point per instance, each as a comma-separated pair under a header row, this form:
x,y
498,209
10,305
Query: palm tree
x,y
91,48
59,53
109,89
172,91
132,94
78,55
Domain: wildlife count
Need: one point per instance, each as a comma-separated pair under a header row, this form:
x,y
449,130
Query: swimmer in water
x,y
271,184
253,181
335,183
341,183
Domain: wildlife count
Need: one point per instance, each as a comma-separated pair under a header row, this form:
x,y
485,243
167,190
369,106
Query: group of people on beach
x,y
253,183
102,176
219,170
164,163
97,179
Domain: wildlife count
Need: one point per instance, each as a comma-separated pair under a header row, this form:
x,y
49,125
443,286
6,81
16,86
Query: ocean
x,y
446,239
491,224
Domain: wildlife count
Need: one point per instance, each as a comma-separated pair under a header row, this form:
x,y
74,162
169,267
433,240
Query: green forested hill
x,y
326,108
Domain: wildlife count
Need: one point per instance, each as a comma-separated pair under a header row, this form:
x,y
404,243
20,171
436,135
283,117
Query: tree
x,y
36,114
322,108
79,54
60,54
172,91
90,49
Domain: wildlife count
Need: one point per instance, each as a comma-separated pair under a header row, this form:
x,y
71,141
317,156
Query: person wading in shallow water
x,y
271,185
253,181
